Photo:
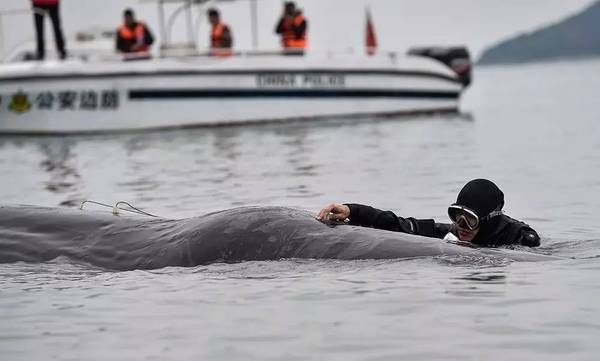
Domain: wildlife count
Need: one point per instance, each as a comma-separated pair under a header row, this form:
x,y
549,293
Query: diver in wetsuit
x,y
477,218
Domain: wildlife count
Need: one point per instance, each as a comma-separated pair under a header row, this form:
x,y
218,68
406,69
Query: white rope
x,y
132,209
116,208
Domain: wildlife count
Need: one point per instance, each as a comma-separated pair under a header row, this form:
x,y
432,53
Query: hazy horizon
x,y
399,24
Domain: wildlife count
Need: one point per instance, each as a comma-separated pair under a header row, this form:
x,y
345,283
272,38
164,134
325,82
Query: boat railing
x,y
192,26
187,48
188,51
190,54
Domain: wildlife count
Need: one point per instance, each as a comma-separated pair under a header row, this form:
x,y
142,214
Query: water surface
x,y
533,129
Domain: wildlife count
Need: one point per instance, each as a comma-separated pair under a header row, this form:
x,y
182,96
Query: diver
x,y
477,218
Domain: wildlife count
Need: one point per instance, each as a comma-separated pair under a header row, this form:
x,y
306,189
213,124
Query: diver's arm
x,y
366,216
429,228
528,237
442,229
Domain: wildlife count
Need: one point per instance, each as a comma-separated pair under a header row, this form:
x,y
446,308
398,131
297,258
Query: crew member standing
x,y
221,39
133,36
42,8
292,27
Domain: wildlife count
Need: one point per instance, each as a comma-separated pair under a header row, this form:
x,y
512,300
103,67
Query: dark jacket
x,y
499,231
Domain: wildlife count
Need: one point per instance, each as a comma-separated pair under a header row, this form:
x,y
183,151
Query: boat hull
x,y
135,98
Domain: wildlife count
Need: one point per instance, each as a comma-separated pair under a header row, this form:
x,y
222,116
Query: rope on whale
x,y
116,208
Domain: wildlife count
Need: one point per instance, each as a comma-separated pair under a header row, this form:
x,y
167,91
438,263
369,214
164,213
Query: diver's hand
x,y
334,212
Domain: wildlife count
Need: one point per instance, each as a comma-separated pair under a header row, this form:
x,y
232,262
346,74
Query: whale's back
x,y
37,234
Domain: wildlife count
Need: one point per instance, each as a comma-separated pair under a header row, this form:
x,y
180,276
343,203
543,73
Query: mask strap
x,y
495,213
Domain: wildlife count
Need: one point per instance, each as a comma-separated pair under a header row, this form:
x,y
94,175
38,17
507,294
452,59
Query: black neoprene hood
x,y
482,196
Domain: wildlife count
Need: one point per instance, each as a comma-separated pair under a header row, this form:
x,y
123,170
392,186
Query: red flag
x,y
371,39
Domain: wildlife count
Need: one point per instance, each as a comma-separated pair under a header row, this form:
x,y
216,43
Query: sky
x,y
334,25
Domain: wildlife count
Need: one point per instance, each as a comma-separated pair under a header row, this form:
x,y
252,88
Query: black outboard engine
x,y
456,58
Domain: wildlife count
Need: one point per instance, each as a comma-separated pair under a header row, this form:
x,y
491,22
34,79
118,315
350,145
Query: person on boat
x,y
292,28
221,39
133,36
50,8
476,215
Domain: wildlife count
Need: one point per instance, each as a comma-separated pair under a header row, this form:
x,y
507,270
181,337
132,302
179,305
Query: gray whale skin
x,y
38,234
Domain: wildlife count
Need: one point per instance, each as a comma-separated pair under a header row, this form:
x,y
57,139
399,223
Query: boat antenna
x,y
254,25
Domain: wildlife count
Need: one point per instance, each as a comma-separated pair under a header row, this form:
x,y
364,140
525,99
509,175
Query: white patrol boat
x,y
93,94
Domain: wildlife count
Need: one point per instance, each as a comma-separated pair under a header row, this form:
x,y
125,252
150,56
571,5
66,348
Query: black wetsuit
x,y
498,231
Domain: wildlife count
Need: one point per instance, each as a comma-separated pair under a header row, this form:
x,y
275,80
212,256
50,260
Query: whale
x,y
41,234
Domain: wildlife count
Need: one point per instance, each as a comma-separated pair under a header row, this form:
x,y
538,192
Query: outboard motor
x,y
456,58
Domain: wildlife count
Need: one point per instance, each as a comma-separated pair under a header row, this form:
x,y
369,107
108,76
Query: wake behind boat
x,y
91,94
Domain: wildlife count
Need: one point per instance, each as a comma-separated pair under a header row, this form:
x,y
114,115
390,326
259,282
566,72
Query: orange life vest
x,y
136,35
217,41
288,38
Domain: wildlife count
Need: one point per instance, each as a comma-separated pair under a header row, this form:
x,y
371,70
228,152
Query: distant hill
x,y
576,36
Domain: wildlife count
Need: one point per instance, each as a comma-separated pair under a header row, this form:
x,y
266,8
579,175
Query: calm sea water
x,y
533,129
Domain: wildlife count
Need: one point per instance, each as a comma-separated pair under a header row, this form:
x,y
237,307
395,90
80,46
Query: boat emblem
x,y
20,103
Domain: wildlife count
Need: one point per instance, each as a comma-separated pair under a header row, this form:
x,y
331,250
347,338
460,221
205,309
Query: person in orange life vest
x,y
221,39
50,8
133,36
292,27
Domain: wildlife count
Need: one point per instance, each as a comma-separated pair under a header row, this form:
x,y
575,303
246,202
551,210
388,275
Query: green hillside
x,y
576,36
